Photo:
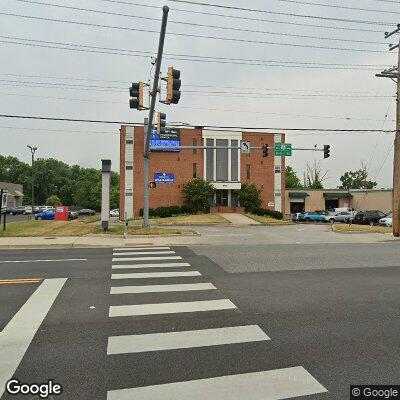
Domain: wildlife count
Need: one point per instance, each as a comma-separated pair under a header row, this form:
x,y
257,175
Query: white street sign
x,y
245,146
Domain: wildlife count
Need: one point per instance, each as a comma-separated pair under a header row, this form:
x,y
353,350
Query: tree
x,y
53,200
197,193
357,179
249,196
292,181
314,177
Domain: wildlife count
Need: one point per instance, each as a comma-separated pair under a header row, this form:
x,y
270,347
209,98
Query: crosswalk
x,y
275,384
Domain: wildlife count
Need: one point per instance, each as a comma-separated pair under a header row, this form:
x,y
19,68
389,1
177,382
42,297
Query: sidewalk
x,y
238,219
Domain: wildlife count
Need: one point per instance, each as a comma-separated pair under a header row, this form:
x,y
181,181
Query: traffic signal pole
x,y
147,133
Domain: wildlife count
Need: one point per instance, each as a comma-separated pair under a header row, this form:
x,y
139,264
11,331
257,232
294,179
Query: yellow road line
x,y
19,281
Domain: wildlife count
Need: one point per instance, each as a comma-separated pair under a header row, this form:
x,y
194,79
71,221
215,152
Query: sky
x,y
289,75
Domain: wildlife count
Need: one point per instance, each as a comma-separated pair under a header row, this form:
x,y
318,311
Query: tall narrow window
x,y
234,161
194,170
222,160
247,171
210,160
194,144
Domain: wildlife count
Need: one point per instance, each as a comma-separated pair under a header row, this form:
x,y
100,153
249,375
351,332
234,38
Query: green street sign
x,y
283,149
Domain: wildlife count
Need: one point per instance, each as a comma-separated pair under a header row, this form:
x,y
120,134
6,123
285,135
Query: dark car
x,y
369,217
6,210
72,215
86,211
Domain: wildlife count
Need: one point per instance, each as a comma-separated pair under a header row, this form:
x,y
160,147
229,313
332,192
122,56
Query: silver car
x,y
342,216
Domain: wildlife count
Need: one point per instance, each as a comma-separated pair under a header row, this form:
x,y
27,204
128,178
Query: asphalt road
x,y
228,322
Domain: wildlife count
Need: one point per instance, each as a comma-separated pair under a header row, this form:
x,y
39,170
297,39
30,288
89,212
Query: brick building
x,y
226,169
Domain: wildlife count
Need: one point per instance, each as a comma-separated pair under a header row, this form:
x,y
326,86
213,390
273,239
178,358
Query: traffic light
x,y
136,92
173,86
161,121
152,185
327,150
265,150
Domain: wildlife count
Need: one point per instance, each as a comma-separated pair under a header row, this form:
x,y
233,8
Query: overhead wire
x,y
197,36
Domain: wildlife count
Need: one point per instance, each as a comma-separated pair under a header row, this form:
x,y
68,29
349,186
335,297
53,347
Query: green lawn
x,y
75,228
195,219
263,219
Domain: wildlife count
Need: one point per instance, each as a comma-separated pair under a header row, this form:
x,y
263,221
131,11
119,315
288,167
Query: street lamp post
x,y
33,150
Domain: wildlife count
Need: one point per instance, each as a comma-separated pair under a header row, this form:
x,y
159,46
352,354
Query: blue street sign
x,y
163,177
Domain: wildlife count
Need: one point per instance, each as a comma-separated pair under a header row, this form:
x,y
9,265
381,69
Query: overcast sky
x,y
288,97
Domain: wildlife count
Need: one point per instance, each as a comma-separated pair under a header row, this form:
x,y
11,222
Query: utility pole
x,y
147,133
394,74
33,150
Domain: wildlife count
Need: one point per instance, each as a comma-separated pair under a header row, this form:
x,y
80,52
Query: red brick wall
x,y
122,171
261,168
180,164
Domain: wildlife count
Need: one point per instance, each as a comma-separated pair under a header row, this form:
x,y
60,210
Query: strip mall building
x,y
226,169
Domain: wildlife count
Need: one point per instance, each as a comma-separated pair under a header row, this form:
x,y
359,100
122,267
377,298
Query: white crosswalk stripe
x,y
170,308
143,275
133,253
160,265
123,259
141,248
161,288
276,384
185,339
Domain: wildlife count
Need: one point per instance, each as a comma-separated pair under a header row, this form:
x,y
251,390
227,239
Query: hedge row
x,y
165,212
269,213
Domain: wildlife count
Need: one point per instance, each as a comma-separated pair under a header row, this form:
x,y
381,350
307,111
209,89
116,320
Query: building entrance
x,y
221,198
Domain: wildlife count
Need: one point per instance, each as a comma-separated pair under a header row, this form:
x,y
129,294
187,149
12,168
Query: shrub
x,y
249,196
197,193
269,213
170,211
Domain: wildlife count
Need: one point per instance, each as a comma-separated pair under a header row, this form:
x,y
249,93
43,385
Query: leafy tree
x,y
197,193
314,177
249,196
73,185
291,179
357,179
53,200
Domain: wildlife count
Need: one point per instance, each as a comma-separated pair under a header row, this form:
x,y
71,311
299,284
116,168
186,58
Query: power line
x,y
58,130
242,128
170,56
176,22
357,21
196,36
310,3
213,14
74,78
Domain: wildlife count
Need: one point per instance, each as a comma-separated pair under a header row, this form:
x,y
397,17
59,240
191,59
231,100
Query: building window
x,y
222,160
247,171
194,144
278,169
210,160
194,170
129,141
234,161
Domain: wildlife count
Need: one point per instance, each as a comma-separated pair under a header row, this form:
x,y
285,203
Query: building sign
x,y
167,141
163,177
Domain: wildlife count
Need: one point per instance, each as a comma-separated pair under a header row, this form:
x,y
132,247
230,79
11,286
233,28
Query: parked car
x,y
21,210
45,215
386,221
369,217
86,211
342,216
72,215
114,212
311,217
6,210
